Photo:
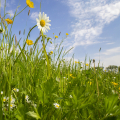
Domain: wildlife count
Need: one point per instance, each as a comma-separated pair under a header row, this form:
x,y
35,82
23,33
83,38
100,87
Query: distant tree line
x,y
111,68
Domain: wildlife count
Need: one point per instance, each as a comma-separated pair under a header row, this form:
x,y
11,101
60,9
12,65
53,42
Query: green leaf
x,y
59,98
110,103
33,114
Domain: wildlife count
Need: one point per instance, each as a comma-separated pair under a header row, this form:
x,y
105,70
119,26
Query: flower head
x,y
56,36
90,82
9,21
11,105
51,52
29,42
114,83
4,99
71,96
16,90
27,99
67,34
70,74
76,62
43,22
56,105
1,92
30,3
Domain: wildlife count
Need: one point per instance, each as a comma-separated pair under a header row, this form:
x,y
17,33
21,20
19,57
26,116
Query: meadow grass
x,y
35,87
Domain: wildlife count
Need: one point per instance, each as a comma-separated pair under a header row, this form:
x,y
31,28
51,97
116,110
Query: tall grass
x,y
35,87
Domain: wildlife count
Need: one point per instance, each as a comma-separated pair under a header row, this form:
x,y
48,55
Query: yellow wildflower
x,y
90,83
73,77
30,3
87,64
51,52
29,42
67,34
56,36
70,74
76,62
119,88
9,21
114,83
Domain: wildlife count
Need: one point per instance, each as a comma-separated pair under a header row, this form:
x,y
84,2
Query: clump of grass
x,y
33,87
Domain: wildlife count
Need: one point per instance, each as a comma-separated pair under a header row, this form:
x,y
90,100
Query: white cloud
x,y
90,19
3,4
112,51
110,43
11,13
34,15
112,60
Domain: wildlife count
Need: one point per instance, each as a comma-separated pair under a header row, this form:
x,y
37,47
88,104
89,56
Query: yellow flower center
x,y
42,23
57,106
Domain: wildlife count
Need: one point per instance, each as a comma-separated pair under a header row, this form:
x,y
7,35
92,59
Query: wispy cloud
x,y
111,60
3,4
34,15
110,43
11,13
112,51
90,19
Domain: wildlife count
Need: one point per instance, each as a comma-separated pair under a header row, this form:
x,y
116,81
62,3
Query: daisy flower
x,y
12,99
56,105
11,105
27,99
16,90
1,92
4,99
43,22
71,96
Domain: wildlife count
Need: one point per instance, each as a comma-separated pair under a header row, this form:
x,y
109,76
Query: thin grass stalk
x,y
54,51
48,65
24,45
97,85
9,86
1,112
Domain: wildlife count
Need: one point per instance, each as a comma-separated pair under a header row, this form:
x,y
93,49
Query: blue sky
x,y
90,24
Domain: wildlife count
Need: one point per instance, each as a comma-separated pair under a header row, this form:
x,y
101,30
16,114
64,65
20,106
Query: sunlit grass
x,y
35,87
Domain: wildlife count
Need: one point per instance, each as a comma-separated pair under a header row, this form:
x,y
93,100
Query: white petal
x,y
48,24
37,20
45,16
